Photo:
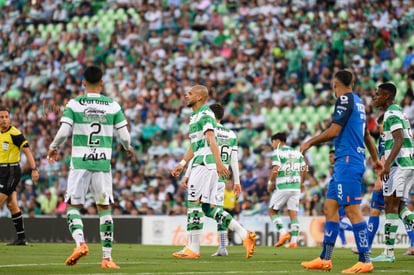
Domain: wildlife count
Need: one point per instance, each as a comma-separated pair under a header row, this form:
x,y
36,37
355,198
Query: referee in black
x,y
12,143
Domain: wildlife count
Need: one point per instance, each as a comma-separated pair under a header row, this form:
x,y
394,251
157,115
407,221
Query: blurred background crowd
x,y
270,62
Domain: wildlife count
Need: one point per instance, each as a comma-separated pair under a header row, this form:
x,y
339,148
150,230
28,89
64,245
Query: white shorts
x,y
281,198
220,193
202,185
81,181
400,182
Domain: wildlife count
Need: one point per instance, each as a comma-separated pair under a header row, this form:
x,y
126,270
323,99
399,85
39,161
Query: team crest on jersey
x,y
343,99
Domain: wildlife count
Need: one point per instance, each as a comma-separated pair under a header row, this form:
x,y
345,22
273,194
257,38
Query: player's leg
x,y
324,262
393,192
373,224
220,215
9,179
277,201
17,218
221,230
198,184
101,189
293,208
78,182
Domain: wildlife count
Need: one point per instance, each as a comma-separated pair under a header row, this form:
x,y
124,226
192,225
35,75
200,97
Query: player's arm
x,y
125,138
271,184
343,109
211,140
372,149
61,136
378,182
29,156
180,166
303,174
398,137
330,133
234,164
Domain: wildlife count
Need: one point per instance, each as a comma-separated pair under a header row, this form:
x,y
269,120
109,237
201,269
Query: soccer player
x,y
349,132
206,166
91,118
377,200
227,141
13,142
286,182
398,173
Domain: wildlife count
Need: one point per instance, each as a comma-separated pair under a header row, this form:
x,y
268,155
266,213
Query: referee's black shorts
x,y
9,178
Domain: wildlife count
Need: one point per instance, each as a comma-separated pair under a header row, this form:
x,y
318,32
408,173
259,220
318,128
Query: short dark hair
x,y
388,88
280,136
345,77
93,74
218,110
332,151
4,108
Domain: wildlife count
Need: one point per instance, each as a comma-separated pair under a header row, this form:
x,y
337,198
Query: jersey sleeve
x,y
343,109
393,122
120,120
68,115
18,139
208,122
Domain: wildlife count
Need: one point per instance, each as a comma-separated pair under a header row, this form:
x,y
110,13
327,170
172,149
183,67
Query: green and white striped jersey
x,y
93,118
201,121
291,163
227,141
395,119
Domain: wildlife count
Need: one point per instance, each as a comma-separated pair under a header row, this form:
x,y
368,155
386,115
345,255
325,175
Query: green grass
x,y
49,258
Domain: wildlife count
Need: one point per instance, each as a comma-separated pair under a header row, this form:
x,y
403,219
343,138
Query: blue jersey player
x,y
349,132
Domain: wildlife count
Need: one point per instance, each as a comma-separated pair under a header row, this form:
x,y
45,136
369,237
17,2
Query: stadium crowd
x,y
254,56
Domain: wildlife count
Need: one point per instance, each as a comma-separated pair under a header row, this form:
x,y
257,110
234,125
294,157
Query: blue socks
x,y
361,240
373,224
329,239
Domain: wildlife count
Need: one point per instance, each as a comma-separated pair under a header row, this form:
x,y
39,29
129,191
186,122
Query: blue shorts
x,y
345,186
377,200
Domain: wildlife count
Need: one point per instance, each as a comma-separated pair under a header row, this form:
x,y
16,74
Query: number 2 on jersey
x,y
96,128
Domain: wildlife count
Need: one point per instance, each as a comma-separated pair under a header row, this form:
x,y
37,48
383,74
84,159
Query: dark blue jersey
x,y
349,144
381,146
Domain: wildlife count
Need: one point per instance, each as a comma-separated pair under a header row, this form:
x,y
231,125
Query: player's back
x,y
93,118
227,142
349,144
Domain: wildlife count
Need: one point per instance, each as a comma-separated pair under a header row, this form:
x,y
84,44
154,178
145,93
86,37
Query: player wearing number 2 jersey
x,y
349,131
91,118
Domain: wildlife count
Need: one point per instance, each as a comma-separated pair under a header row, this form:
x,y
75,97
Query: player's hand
x,y
52,156
378,185
184,183
223,171
304,147
237,189
385,173
130,151
378,167
176,172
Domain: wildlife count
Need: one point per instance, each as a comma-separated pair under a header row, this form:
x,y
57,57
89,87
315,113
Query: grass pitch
x,y
49,258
